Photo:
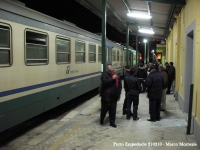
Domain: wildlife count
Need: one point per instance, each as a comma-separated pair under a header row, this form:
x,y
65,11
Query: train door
x,y
125,54
130,58
122,57
134,57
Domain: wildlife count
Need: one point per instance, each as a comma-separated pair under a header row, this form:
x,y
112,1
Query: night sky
x,y
75,13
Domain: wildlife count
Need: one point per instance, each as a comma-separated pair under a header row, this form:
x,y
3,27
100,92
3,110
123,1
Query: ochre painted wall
x,y
176,51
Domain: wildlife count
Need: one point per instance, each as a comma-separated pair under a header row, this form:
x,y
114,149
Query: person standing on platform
x,y
156,65
171,76
111,90
159,64
108,66
126,75
154,82
133,85
164,89
142,74
167,67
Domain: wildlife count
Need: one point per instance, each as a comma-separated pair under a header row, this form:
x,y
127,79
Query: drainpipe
x,y
190,109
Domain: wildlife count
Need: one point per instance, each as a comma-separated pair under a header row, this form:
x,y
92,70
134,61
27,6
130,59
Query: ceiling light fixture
x,y
138,15
147,31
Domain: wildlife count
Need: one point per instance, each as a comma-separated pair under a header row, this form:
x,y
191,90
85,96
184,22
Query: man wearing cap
x,y
126,75
133,85
154,82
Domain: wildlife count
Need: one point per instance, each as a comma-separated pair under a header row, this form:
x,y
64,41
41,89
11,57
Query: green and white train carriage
x,y
131,56
115,56
44,62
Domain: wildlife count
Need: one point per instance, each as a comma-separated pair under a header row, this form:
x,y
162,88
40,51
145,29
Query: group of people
x,y
154,79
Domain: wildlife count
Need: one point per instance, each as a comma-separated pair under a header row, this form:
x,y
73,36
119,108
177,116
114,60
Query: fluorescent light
x,y
146,31
136,15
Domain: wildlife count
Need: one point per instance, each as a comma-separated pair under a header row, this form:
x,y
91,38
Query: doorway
x,y
189,68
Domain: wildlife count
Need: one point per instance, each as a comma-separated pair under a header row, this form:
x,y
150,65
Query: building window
x,y
113,54
5,45
63,50
92,53
36,48
100,54
80,52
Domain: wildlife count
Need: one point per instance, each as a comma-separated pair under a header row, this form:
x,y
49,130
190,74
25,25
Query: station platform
x,y
80,130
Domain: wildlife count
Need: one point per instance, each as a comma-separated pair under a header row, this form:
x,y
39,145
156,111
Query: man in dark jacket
x,y
142,74
167,67
108,66
154,82
164,89
111,90
171,76
133,85
126,75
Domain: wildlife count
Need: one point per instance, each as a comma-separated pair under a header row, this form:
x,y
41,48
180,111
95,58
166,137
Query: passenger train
x,y
45,62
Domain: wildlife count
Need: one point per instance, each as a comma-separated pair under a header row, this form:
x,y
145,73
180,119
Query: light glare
x,y
136,15
146,31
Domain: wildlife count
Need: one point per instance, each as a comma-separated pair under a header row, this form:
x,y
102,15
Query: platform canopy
x,y
163,13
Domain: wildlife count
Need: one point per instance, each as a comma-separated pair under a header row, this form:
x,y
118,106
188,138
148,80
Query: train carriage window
x,y
80,52
117,55
92,53
113,54
36,48
99,54
5,45
63,50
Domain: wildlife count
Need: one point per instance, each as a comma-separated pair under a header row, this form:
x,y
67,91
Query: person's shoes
x,y
162,109
167,92
152,120
135,119
158,119
113,125
128,118
101,122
